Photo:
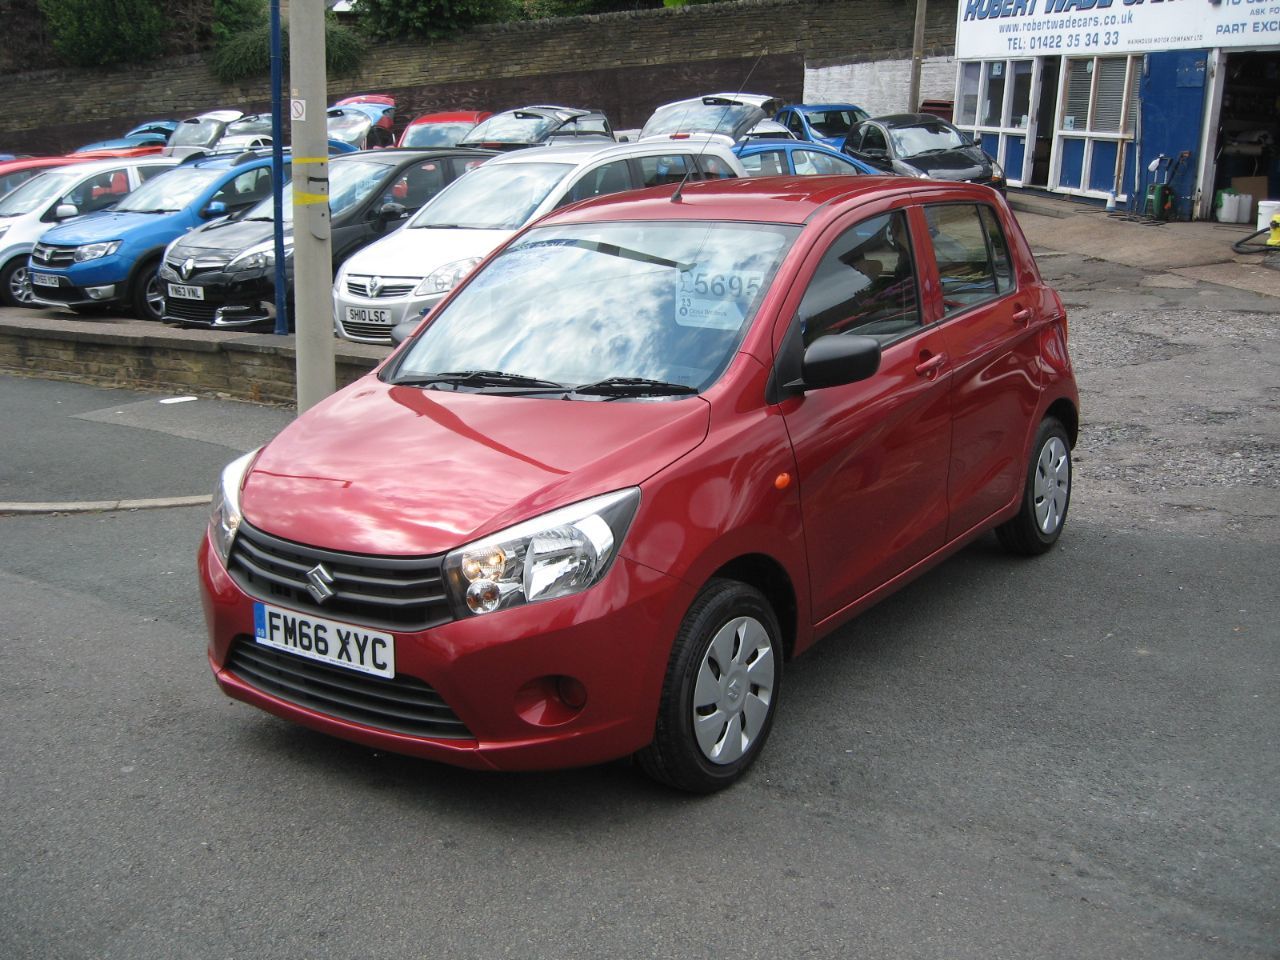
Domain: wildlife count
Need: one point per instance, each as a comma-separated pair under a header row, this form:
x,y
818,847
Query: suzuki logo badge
x,y
320,583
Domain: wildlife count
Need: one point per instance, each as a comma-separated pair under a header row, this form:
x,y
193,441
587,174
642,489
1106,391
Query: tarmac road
x,y
1069,757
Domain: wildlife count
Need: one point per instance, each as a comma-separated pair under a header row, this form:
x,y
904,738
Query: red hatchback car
x,y
653,448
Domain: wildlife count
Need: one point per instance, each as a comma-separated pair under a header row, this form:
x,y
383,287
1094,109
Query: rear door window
x,y
655,171
971,254
608,178
812,163
766,163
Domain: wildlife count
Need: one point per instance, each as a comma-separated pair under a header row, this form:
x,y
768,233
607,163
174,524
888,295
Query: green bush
x,y
99,33
231,17
248,53
427,19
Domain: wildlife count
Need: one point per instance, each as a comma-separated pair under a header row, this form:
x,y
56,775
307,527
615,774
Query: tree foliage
x,y
248,53
97,33
231,17
428,19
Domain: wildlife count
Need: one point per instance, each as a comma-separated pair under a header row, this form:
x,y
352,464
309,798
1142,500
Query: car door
x,y
990,324
795,123
606,178
871,456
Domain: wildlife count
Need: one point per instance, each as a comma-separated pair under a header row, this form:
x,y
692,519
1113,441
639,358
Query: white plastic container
x,y
1229,210
1246,207
1266,210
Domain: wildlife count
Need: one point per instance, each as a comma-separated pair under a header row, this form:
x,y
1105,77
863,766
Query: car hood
x,y
228,237
399,470
101,226
415,252
963,163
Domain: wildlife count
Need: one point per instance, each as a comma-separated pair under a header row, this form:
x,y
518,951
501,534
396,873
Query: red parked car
x,y
652,449
441,129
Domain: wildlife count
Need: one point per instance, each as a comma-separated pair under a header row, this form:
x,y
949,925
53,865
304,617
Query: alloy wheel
x,y
1051,485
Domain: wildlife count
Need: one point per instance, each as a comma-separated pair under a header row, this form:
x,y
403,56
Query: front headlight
x,y
444,279
224,517
997,171
556,555
94,251
261,256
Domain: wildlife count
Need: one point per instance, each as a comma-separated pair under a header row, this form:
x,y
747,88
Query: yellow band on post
x,y
303,199
310,160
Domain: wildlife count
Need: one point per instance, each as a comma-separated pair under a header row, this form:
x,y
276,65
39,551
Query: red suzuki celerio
x,y
652,449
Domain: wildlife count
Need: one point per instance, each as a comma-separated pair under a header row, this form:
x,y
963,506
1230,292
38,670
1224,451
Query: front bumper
x,y
230,300
496,672
370,319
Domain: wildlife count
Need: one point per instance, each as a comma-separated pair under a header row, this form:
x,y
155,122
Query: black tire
x,y
732,611
1046,495
146,288
15,286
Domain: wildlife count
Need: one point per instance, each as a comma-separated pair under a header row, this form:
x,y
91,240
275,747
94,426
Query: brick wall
x,y
624,63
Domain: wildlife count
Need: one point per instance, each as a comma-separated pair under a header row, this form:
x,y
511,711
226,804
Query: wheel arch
x,y
139,265
1065,412
765,574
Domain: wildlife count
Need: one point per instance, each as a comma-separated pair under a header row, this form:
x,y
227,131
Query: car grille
x,y
384,289
401,705
368,331
199,264
399,593
47,255
192,311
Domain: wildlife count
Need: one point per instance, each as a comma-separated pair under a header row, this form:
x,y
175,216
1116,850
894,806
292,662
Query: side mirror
x,y
390,212
403,330
216,208
876,154
65,211
835,360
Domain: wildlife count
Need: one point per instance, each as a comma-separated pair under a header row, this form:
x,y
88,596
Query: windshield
x,y
925,138
249,126
515,127
170,191
350,181
196,133
834,123
500,197
38,192
435,134
699,117
581,303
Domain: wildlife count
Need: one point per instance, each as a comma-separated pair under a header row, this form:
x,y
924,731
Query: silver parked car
x,y
406,273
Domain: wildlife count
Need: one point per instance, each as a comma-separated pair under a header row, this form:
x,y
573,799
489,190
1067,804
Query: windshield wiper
x,y
444,226
613,250
634,387
477,378
156,210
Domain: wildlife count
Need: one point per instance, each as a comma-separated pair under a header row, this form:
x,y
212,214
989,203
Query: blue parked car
x,y
825,123
771,158
113,257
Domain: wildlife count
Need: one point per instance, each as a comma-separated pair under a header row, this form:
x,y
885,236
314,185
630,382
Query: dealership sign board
x,y
996,29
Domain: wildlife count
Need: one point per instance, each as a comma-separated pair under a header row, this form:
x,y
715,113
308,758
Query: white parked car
x,y
730,116
406,273
55,197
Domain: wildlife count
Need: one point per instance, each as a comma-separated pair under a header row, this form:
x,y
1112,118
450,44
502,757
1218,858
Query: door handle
x,y
928,367
1021,316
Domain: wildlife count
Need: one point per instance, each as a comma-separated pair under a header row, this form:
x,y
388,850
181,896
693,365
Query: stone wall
x,y
245,366
623,63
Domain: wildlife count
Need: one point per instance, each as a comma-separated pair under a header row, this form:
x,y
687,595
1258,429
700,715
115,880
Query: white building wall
x,y
880,86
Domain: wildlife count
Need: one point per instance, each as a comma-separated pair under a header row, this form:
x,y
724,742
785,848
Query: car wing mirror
x,y
390,212
403,330
65,211
835,360
215,208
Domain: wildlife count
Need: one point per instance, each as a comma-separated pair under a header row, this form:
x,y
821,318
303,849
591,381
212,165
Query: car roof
x,y
90,167
761,145
582,153
787,200
456,116
824,106
907,119
397,154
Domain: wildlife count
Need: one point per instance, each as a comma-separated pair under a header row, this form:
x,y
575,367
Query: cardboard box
x,y
1256,187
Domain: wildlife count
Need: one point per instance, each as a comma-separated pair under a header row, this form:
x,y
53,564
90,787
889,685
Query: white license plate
x,y
367,315
339,644
45,279
186,293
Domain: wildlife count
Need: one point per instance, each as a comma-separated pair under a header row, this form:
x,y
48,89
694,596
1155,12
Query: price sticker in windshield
x,y
715,300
